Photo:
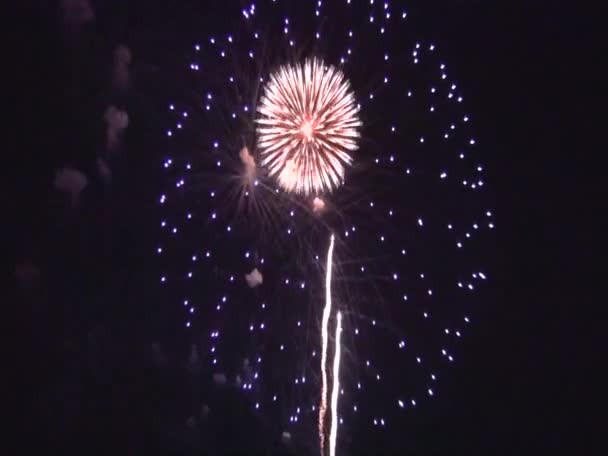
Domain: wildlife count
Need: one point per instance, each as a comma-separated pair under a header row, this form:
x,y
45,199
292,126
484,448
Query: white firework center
x,y
308,127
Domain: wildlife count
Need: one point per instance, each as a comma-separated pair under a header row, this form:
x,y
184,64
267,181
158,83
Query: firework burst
x,y
259,148
308,127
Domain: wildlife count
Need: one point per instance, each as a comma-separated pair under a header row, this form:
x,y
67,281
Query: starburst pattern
x,y
308,126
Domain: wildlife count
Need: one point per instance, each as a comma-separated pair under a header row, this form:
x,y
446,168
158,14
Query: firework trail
x,y
333,435
324,324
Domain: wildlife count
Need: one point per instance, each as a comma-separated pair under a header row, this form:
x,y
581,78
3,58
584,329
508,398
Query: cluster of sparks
x,y
308,127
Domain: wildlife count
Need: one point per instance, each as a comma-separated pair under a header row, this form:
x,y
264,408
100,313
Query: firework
x,y
308,126
279,126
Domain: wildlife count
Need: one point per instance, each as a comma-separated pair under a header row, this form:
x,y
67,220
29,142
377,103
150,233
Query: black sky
x,y
530,71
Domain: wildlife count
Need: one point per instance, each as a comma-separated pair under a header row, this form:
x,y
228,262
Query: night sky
x,y
85,283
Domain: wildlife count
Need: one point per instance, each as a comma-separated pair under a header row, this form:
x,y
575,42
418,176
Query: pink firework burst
x,y
308,126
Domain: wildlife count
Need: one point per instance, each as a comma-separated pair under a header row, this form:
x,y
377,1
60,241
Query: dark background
x,y
87,375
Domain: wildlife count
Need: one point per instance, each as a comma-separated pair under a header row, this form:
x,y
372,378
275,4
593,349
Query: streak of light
x,y
333,435
324,324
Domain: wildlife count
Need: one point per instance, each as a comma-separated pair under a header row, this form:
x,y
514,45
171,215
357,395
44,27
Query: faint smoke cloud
x,y
194,362
121,75
77,12
248,165
71,181
219,378
254,278
104,169
27,274
116,122
191,422
158,355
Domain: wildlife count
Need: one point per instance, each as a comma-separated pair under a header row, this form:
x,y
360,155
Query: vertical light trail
x,y
324,323
333,435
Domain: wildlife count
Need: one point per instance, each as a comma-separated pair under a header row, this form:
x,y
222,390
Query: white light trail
x,y
324,324
333,435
